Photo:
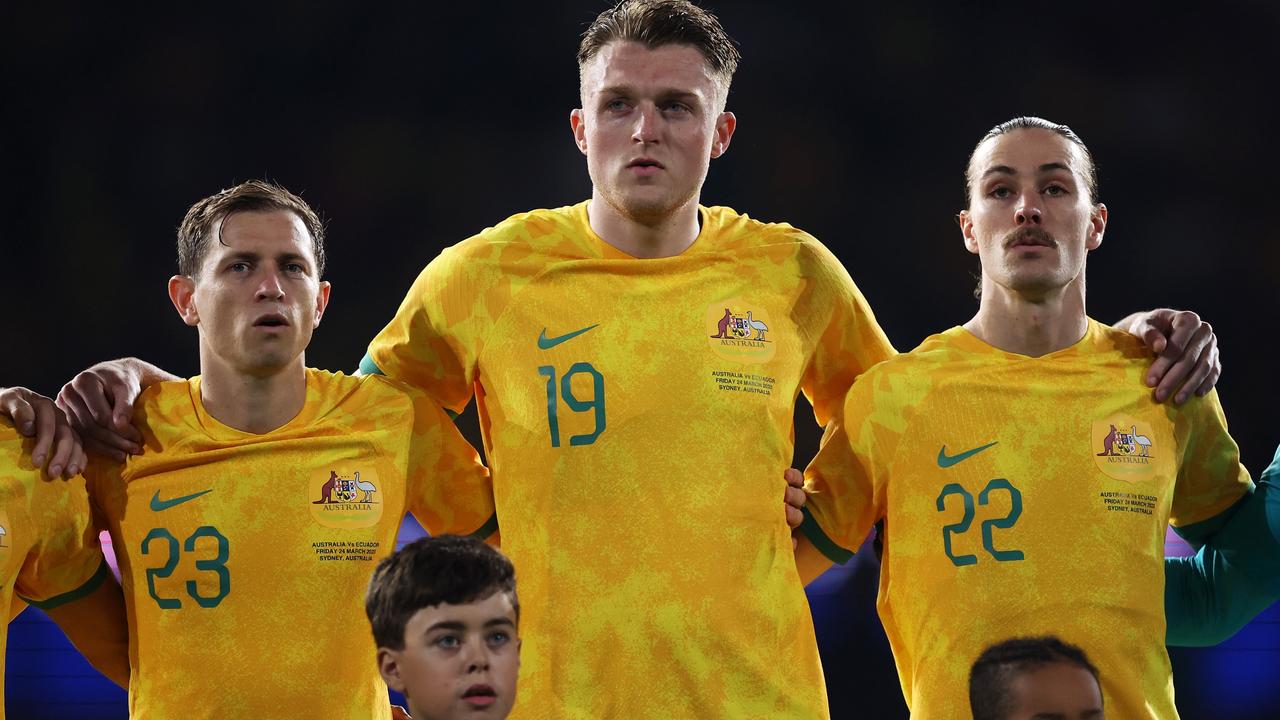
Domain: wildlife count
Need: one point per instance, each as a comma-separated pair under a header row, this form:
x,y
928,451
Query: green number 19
x,y
595,403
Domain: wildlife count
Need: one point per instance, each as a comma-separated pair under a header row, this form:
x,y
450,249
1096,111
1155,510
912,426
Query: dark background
x,y
413,126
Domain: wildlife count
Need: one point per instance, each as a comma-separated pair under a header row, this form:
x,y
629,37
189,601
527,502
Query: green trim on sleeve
x,y
369,367
1232,578
1198,533
811,530
88,587
490,527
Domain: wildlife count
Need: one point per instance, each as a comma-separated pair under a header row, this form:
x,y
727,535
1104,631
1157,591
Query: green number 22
x,y
575,404
216,565
988,526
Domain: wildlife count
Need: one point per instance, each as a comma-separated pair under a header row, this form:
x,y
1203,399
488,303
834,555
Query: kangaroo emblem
x,y
326,490
1107,443
723,325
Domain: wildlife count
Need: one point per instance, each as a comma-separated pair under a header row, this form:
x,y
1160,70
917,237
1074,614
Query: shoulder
x,y
546,230
739,230
1122,346
166,407
906,378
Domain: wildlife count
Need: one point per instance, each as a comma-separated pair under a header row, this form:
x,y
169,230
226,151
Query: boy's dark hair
x,y
995,670
196,231
430,571
655,23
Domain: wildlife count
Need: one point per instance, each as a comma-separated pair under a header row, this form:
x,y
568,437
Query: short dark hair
x,y
996,668
430,571
655,23
196,230
1028,121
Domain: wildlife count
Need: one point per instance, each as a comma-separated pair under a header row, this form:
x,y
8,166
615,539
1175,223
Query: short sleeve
x,y
450,491
1210,476
847,478
850,341
65,563
435,337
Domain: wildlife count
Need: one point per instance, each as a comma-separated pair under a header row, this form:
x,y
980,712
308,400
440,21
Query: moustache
x,y
1030,236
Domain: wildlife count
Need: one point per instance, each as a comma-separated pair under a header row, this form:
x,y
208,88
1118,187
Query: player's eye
x,y
1000,192
448,642
616,105
238,267
1055,190
295,269
499,638
676,107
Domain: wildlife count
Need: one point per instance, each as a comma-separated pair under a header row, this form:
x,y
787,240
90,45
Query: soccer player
x,y
636,360
446,620
248,529
1039,678
1024,474
49,554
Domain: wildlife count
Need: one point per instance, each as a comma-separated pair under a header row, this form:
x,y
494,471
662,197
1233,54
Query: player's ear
x,y
1097,226
322,300
965,221
389,668
725,125
578,123
182,293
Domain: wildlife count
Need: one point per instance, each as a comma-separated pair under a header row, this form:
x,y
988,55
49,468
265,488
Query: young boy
x,y
446,621
1034,678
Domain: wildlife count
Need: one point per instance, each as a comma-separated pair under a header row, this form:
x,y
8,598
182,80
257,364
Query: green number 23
x,y
216,565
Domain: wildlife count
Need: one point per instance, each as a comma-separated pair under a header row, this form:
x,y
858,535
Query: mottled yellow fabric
x,y
48,551
1068,474
245,557
638,418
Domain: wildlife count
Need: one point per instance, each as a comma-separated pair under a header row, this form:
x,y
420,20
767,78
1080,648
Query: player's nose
x,y
646,124
270,287
1028,209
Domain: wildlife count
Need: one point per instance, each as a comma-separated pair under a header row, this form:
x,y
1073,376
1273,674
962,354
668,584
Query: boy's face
x,y
1057,691
458,661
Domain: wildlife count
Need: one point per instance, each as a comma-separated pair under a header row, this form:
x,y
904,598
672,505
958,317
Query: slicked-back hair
x,y
1025,122
655,23
431,571
992,676
197,228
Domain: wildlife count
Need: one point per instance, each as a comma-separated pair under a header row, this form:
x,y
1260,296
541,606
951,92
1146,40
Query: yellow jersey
x,y
1021,496
49,553
637,418
245,557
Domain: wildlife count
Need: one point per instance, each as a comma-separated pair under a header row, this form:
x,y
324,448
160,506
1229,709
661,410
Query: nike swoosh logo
x,y
546,343
946,461
157,504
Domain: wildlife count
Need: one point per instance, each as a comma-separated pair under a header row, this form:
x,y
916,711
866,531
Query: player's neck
x,y
253,402
1032,326
662,238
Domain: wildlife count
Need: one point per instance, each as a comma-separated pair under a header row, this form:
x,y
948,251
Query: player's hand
x,y
99,404
1186,349
793,499
36,416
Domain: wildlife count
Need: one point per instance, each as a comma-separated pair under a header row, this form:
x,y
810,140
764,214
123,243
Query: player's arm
x,y
1235,573
57,447
97,625
449,488
99,404
1186,352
